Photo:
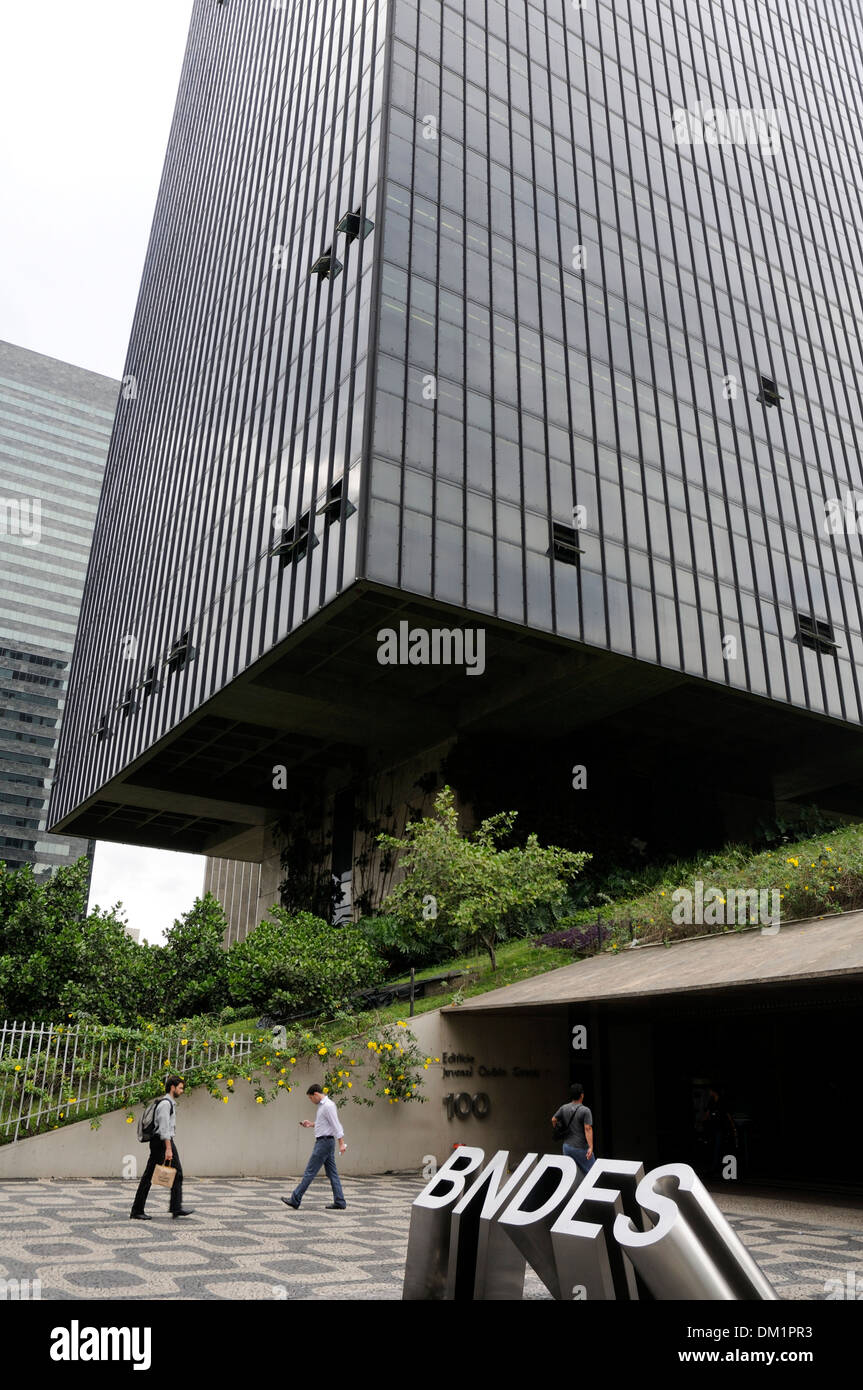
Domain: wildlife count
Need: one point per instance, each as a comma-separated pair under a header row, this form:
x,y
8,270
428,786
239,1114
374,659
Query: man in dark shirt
x,y
573,1124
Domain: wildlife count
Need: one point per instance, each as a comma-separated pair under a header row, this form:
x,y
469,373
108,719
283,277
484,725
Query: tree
x,y
56,959
298,962
465,884
192,964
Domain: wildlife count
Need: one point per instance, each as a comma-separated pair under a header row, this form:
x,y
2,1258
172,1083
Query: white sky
x,y
87,92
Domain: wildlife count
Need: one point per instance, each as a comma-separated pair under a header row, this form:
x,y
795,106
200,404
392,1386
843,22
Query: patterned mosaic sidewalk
x,y
243,1244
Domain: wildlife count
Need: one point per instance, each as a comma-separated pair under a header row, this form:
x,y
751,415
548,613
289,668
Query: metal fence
x,y
50,1074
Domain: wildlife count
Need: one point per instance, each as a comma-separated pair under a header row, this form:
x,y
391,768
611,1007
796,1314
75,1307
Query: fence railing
x,y
50,1074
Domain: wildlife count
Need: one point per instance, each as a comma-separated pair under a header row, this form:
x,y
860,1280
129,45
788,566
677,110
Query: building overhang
x,y
325,709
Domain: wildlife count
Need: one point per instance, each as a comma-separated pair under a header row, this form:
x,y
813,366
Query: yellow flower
x,y
283,1070
281,1083
218,1076
322,1052
225,1099
18,1068
72,1100
326,1090
388,1046
371,1045
130,1119
290,1088
230,1082
341,1073
183,1042
399,1023
259,1100
353,1062
795,862
350,1083
232,1044
437,1059
339,1051
293,1059
386,1090
167,1061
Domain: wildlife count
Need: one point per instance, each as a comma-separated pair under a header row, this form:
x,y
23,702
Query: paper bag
x,y
163,1176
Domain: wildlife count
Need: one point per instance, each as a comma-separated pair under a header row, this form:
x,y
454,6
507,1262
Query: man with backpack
x,y
573,1125
158,1127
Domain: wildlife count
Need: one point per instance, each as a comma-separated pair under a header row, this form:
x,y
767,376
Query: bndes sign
x,y
614,1233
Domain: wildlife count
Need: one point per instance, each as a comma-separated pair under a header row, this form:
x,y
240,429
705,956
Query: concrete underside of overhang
x,y
323,707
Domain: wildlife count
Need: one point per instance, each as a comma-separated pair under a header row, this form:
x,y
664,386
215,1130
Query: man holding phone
x,y
328,1129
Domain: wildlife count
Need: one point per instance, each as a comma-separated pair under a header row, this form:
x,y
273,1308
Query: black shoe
x,y
140,1216
184,1211
332,1206
294,1206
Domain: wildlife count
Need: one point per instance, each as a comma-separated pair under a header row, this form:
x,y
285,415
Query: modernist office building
x,y
531,321
55,426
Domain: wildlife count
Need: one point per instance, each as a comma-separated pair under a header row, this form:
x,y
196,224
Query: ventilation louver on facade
x,y
296,541
815,634
769,394
326,266
332,508
180,652
564,543
354,225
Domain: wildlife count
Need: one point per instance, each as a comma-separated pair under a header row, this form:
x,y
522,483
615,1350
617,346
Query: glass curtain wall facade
x,y
55,424
541,313
585,277
250,374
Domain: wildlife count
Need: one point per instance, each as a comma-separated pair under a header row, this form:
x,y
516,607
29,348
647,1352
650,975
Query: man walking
x,y
573,1125
327,1130
163,1150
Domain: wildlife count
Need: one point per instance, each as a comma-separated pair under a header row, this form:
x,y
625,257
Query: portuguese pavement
x,y
242,1243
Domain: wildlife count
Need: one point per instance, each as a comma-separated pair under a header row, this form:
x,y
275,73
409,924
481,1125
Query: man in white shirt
x,y
327,1130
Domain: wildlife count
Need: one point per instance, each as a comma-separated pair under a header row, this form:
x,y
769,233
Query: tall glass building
x,y
526,325
55,426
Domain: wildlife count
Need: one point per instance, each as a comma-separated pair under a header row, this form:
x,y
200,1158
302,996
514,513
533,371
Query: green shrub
x,y
294,963
192,964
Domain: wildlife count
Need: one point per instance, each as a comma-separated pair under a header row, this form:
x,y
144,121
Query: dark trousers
x,y
323,1156
157,1155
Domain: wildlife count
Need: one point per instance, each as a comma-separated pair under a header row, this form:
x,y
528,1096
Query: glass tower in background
x,y
533,317
55,426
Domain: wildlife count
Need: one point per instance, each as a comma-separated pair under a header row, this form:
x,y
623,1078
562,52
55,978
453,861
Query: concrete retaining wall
x,y
243,1139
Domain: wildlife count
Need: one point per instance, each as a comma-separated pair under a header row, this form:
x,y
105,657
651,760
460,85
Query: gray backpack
x,y
147,1122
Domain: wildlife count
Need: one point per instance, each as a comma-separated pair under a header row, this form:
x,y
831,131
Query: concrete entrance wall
x,y
244,1139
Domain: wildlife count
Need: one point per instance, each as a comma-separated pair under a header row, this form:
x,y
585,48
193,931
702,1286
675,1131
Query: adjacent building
x,y
55,426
